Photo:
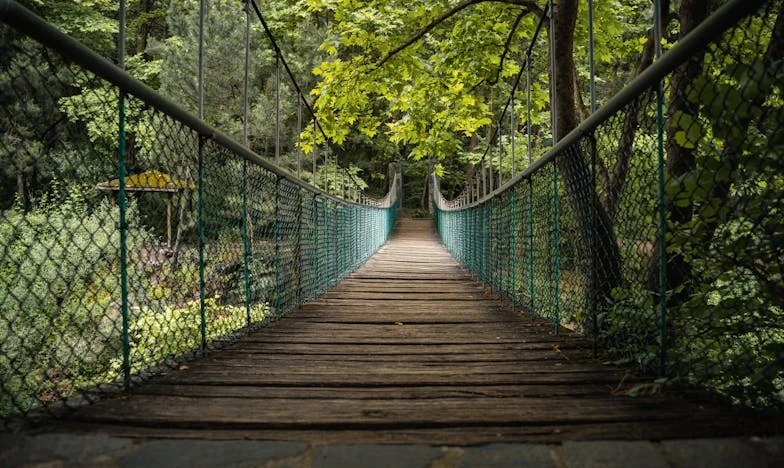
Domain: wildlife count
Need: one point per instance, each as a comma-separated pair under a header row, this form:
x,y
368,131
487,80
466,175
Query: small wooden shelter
x,y
152,181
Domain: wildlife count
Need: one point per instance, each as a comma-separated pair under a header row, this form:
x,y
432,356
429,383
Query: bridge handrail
x,y
654,227
201,240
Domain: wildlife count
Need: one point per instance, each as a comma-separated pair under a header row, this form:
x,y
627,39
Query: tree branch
x,y
507,45
530,4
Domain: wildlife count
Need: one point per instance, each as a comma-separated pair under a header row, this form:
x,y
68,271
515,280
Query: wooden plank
x,y
453,435
434,349
337,366
367,379
162,387
453,358
272,412
408,349
407,296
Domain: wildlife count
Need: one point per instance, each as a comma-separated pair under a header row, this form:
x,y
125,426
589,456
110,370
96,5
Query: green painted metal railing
x,y
150,236
657,226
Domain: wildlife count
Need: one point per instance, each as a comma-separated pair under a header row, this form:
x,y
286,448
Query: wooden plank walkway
x,y
408,349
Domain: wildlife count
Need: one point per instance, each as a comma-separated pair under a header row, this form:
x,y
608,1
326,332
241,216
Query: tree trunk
x,y
21,189
144,27
574,167
680,159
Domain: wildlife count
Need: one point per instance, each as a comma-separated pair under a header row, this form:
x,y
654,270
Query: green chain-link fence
x,y
657,227
140,235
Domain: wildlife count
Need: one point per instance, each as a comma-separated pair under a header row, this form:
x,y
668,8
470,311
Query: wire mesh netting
x,y
135,241
659,231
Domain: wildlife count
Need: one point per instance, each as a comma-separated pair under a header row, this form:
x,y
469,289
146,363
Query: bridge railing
x,y
140,235
657,226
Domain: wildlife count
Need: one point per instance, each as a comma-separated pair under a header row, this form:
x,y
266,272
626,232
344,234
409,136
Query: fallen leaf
x,y
183,367
399,323
556,348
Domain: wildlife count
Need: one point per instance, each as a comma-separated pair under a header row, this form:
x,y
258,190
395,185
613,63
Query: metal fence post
x,y
556,250
277,245
513,250
592,250
662,227
314,253
245,240
531,252
202,288
123,225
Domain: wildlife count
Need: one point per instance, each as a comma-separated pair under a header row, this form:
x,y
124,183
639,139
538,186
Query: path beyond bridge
x,y
408,349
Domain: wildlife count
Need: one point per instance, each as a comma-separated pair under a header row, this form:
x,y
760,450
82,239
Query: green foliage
x,y
60,300
59,290
158,335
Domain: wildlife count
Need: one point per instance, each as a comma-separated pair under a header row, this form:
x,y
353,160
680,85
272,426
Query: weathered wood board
x,y
408,349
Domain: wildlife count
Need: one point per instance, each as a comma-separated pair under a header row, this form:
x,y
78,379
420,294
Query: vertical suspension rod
x,y
277,107
299,134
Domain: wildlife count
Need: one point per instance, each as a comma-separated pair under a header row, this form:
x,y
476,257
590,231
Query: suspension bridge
x,y
410,348
540,305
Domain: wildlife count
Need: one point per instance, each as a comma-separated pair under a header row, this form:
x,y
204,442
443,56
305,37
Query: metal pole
x,y
200,185
299,134
202,282
531,282
490,164
335,173
326,168
245,240
121,196
592,230
553,80
556,227
246,77
315,151
277,247
512,128
314,241
528,108
500,156
121,38
484,179
202,8
512,253
662,234
591,63
277,107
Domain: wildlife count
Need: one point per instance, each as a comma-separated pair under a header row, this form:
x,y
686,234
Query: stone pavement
x,y
61,450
